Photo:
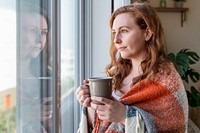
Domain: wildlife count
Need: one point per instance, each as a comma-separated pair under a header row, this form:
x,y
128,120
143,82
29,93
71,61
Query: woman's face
x,y
34,32
129,39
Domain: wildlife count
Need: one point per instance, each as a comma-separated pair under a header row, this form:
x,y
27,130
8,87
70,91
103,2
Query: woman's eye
x,y
33,30
113,33
123,31
44,32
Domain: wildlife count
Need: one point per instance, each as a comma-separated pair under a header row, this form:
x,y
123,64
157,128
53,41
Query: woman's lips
x,y
121,48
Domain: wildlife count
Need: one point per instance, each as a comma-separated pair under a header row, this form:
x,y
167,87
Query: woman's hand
x,y
83,94
47,108
111,111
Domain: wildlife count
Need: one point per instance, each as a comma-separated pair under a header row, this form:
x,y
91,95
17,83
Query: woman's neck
x,y
136,62
136,71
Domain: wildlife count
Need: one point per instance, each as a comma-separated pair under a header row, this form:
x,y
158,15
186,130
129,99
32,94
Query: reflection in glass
x,y
34,70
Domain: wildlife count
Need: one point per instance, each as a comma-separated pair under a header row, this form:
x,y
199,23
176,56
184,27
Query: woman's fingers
x,y
47,111
86,102
85,82
83,95
102,100
47,115
82,90
111,110
47,99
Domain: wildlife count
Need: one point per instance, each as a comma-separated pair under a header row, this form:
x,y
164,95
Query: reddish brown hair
x,y
145,16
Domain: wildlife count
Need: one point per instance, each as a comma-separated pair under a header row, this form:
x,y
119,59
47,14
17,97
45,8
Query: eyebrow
x,y
121,27
45,28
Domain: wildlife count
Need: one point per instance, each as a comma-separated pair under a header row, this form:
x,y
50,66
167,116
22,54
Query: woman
x,y
148,93
34,49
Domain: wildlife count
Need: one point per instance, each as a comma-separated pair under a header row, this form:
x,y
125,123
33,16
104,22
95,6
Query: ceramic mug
x,y
101,87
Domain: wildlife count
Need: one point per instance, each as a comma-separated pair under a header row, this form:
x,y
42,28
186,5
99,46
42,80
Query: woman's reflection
x,y
35,96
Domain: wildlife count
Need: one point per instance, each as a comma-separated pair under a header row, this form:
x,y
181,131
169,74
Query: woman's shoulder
x,y
166,69
168,77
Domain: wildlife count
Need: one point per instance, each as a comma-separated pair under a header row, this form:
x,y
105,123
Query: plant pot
x,y
163,3
178,4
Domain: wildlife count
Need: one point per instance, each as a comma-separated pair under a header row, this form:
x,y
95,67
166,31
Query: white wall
x,y
178,37
101,11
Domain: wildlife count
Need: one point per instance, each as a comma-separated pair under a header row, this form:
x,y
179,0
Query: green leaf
x,y
172,57
185,77
194,91
183,50
194,75
182,63
191,99
193,56
196,95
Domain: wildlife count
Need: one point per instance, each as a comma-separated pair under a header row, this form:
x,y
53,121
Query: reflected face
x,y
34,34
129,39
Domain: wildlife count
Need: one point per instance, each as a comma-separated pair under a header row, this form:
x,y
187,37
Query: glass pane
x,y
34,78
8,66
69,50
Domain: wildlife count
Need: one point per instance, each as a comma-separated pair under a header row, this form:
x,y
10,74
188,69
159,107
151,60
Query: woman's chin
x,y
34,55
124,56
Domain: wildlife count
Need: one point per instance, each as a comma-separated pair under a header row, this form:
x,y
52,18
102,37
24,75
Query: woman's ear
x,y
148,34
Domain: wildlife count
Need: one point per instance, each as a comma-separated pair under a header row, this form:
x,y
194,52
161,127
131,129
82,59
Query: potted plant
x,y
183,61
178,3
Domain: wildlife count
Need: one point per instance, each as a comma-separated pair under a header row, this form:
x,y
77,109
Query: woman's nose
x,y
117,39
39,36
39,40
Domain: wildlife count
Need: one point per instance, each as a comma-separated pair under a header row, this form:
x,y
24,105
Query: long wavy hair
x,y
155,59
43,60
41,65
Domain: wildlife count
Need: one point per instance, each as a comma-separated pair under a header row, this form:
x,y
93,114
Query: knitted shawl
x,y
157,104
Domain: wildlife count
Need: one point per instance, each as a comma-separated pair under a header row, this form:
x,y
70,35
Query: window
x,y
43,49
8,66
36,75
75,43
70,64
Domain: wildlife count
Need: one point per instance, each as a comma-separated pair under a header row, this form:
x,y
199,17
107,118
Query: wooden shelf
x,y
170,9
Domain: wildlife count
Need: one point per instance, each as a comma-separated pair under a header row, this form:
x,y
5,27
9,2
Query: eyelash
x,y
113,33
35,31
121,31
